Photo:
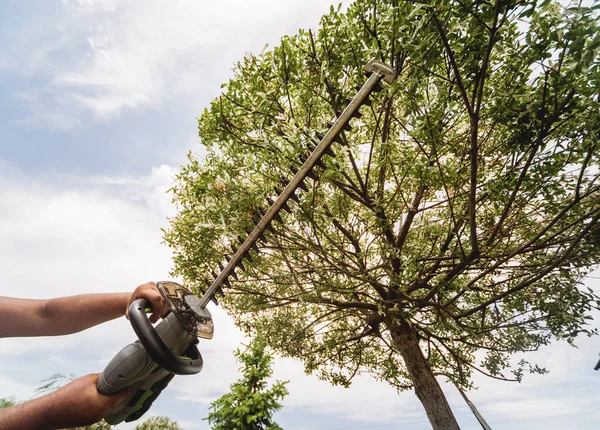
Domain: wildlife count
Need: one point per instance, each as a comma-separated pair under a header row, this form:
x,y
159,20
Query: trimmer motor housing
x,y
146,366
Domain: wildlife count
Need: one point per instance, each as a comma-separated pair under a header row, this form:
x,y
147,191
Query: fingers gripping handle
x,y
155,347
145,367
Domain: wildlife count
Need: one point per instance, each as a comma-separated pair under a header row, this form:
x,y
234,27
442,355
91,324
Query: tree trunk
x,y
427,389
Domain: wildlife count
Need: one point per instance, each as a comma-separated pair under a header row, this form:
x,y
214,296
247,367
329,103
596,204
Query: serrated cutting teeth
x,y
312,175
319,144
339,139
295,198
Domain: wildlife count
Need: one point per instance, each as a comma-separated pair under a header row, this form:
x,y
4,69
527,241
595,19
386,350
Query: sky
x,y
98,109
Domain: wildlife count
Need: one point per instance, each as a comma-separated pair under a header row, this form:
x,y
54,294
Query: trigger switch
x,y
162,384
155,391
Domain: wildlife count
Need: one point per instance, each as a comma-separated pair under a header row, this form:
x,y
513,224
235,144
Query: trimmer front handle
x,y
156,348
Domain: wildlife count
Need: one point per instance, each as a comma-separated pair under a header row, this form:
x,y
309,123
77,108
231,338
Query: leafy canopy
x,y
464,202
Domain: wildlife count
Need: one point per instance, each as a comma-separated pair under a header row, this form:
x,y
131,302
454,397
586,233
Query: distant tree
x,y
158,423
52,383
459,216
102,425
249,404
7,402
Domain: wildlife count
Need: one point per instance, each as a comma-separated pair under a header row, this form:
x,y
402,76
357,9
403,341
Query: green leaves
x,y
249,404
465,201
7,402
158,423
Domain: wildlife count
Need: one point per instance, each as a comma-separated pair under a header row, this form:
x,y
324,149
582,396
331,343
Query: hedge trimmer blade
x,y
379,72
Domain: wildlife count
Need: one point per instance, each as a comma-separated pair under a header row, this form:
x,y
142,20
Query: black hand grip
x,y
156,348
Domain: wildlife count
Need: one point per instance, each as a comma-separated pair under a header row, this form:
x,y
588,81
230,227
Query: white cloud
x,y
84,238
102,57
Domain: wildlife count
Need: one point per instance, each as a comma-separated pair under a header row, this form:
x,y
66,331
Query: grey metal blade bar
x,y
378,71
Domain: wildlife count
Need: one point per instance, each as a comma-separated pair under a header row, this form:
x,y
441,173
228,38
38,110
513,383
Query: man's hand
x,y
150,292
79,403
76,404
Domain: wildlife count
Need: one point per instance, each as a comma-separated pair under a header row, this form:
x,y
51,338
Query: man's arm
x,y
65,315
76,404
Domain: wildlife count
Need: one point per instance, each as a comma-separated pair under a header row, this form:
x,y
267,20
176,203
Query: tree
x,y
459,215
7,402
158,423
249,405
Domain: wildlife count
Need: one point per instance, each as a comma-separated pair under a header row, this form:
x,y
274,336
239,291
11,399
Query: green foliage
x,y
249,404
7,402
52,383
465,202
102,425
158,423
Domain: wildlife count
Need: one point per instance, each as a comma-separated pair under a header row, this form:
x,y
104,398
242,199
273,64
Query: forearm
x,y
28,415
65,315
34,414
76,404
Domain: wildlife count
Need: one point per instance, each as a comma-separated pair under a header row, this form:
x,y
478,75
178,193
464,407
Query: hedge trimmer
x,y
146,366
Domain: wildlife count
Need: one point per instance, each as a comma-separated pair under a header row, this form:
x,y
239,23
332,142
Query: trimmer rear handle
x,y
156,348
